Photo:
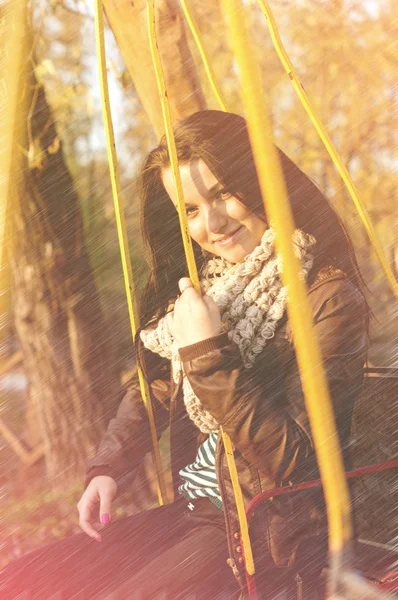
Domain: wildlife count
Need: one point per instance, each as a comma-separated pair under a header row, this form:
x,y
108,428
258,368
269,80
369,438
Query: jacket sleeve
x,y
254,406
128,437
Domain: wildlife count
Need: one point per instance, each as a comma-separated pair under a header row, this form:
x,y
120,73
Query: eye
x,y
191,210
223,195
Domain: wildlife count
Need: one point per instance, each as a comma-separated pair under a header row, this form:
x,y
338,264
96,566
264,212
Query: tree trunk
x,y
56,307
128,21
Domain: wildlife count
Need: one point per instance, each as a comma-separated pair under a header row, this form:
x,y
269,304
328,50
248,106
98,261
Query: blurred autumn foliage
x,y
346,56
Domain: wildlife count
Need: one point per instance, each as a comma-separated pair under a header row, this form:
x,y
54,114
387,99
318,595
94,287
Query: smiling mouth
x,y
229,239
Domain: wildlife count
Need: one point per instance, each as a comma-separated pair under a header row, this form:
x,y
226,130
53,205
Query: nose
x,y
216,218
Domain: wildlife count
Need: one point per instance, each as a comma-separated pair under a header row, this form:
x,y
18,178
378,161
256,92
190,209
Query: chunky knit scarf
x,y
251,300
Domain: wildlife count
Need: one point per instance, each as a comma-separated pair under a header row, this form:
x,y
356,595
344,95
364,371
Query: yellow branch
x,y
186,238
323,134
14,54
206,62
307,347
191,262
122,237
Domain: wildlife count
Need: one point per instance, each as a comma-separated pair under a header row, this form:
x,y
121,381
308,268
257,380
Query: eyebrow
x,y
215,187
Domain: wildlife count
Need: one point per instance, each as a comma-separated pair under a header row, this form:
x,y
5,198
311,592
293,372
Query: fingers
x,y
195,317
105,508
101,489
184,283
214,313
210,303
85,508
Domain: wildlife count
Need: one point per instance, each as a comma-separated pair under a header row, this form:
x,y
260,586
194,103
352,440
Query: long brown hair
x,y
221,140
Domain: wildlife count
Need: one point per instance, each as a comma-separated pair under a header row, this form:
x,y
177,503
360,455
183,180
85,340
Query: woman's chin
x,y
233,255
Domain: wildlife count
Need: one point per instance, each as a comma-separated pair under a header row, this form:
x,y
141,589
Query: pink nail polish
x,y
105,519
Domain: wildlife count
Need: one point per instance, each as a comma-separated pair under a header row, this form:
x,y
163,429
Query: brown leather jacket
x,y
262,410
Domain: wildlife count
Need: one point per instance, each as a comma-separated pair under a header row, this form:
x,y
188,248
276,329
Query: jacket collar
x,y
326,274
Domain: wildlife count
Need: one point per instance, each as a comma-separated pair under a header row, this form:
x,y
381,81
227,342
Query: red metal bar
x,y
268,494
280,491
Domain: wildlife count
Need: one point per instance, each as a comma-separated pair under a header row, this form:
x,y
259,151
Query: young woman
x,y
226,358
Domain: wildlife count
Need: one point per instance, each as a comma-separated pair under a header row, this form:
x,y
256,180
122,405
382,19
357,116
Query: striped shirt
x,y
199,478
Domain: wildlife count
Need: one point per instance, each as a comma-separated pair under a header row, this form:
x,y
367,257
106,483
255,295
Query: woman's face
x,y
217,221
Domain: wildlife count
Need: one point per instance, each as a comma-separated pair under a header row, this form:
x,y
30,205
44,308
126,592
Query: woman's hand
x,y
195,318
101,490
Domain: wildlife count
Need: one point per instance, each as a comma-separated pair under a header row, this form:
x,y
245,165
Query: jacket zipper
x,y
219,472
